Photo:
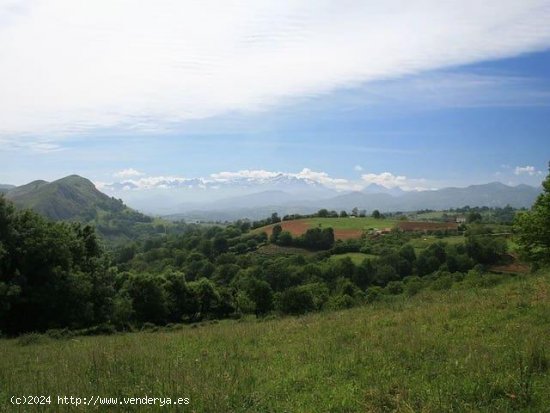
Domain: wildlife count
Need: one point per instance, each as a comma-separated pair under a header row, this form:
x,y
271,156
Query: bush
x,y
374,294
296,300
60,333
341,302
101,329
413,285
31,339
443,281
394,288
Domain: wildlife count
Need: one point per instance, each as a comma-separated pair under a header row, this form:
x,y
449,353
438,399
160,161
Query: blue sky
x,y
472,107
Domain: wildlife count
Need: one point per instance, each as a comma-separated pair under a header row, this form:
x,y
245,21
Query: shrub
x,y
374,294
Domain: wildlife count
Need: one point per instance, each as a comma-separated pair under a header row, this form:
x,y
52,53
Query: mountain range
x,y
259,205
77,198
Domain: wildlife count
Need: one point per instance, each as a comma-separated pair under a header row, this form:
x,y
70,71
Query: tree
x,y
207,295
343,214
376,214
220,244
319,239
148,298
181,300
533,227
474,217
275,232
296,300
275,218
355,212
52,275
322,213
285,239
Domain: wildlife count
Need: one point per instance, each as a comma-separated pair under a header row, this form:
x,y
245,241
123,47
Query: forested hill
x,y
75,198
69,198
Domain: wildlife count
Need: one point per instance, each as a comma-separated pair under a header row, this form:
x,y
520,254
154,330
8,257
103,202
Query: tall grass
x,y
462,350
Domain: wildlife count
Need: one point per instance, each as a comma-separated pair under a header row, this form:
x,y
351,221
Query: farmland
x,y
344,228
356,257
470,348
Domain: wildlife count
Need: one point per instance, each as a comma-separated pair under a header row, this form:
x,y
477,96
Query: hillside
x,y
344,228
5,188
74,198
476,347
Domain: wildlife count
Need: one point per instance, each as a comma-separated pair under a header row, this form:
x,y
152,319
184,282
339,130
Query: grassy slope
x,y
356,257
363,224
351,223
72,197
459,350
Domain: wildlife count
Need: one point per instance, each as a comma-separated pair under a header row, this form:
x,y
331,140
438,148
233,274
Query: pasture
x,y
476,348
344,228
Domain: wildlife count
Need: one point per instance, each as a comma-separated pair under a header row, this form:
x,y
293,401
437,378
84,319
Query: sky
x,y
417,94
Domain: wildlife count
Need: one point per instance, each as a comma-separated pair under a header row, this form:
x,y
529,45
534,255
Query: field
x,y
344,228
462,350
426,240
356,257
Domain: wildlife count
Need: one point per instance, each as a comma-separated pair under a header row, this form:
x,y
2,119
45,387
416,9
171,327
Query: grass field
x,y
344,228
270,250
356,257
462,350
425,241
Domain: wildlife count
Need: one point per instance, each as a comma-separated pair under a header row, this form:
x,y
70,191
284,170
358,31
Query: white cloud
x,y
73,65
526,170
128,173
162,182
358,168
130,180
324,179
258,174
249,177
389,180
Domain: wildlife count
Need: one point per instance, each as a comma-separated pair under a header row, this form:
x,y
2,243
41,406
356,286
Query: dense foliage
x,y
51,274
533,228
57,275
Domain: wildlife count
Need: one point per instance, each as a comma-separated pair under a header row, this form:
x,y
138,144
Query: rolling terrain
x,y
69,198
261,204
478,346
74,198
344,228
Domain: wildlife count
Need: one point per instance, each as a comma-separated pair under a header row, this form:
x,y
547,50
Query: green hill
x,y
69,198
75,198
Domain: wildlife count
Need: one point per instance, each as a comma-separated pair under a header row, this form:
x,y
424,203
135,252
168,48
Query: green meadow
x,y
476,347
356,257
362,223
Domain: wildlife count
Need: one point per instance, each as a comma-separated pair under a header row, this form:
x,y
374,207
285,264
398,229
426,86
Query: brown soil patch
x,y
296,228
347,233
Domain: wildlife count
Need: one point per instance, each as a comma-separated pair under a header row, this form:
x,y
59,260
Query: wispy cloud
x,y
450,89
67,66
127,173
